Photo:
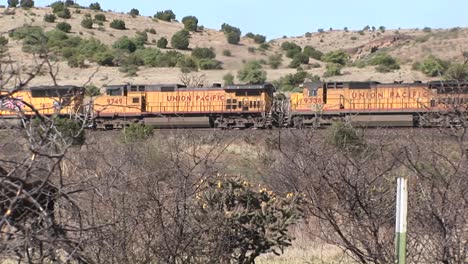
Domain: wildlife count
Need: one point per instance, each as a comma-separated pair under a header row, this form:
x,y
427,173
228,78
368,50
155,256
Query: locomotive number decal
x,y
112,101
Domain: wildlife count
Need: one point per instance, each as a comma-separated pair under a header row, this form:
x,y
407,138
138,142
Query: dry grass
x,y
306,250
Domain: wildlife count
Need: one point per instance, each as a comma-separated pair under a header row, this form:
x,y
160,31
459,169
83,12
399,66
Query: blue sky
x,y
276,18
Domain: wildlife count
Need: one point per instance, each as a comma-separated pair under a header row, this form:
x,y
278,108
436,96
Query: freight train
x,y
436,103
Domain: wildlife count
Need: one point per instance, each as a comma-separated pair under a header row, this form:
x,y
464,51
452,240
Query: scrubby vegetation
x,y
190,23
50,18
87,23
134,12
291,82
232,33
337,57
180,40
166,15
259,39
95,6
252,72
228,79
162,43
275,60
118,24
333,69
64,26
100,17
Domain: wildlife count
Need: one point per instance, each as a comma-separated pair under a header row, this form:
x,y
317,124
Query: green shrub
x,y
259,39
292,49
49,18
290,81
345,29
187,64
71,3
105,58
308,35
252,72
228,79
353,38
227,53
140,39
166,15
190,23
134,12
209,64
136,132
433,66
251,49
27,3
233,38
264,46
125,44
162,43
3,41
384,62
65,13
87,23
76,61
130,70
118,24
382,29
180,40
337,56
427,29
151,31
156,58
232,33
95,6
203,53
275,60
313,53
332,69
71,131
57,6
13,3
457,72
345,137
299,58
254,222
92,90
64,26
100,17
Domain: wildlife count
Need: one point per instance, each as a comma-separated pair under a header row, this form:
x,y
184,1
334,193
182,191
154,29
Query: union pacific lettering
x,y
194,98
393,94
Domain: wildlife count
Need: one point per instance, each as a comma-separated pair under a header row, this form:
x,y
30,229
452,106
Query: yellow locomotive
x,y
175,105
376,104
44,100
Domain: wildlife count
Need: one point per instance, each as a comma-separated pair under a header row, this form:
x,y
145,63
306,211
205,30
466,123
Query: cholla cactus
x,y
243,222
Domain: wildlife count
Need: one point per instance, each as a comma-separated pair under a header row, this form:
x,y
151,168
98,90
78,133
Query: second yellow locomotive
x,y
173,105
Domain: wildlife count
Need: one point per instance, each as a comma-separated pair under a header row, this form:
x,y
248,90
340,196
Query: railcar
x,y
63,101
175,105
378,104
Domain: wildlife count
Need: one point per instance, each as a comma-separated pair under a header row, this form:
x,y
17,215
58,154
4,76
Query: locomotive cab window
x,y
135,100
114,91
133,88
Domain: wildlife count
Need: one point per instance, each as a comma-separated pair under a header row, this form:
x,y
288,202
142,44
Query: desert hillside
x,y
406,46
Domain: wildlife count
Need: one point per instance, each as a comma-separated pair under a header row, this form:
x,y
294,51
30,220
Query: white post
x,y
401,218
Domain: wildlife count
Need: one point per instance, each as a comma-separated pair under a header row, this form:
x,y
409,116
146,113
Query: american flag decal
x,y
12,103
